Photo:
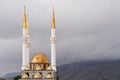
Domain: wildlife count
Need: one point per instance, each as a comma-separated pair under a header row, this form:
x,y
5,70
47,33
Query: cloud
x,y
86,30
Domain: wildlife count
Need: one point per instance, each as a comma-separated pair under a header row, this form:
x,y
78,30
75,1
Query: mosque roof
x,y
40,58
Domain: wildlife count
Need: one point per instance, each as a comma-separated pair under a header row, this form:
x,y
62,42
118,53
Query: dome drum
x,y
39,66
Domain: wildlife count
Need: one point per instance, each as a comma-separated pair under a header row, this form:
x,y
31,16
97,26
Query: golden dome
x,y
40,58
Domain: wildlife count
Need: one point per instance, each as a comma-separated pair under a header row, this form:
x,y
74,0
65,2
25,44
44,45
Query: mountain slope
x,y
91,70
10,75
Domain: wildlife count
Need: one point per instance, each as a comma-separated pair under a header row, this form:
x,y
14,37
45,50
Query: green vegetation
x,y
17,77
2,79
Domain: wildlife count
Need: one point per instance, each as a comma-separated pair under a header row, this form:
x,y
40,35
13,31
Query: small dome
x,y
40,58
49,68
24,75
27,68
37,75
49,76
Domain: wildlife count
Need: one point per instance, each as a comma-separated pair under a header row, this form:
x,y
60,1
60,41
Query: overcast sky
x,y
86,30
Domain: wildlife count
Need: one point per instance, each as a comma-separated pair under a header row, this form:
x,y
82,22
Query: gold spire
x,y
25,23
53,20
28,30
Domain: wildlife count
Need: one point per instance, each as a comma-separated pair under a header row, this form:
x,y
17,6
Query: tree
x,y
17,77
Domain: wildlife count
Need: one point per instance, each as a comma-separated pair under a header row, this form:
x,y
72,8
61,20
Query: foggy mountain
x,y
91,70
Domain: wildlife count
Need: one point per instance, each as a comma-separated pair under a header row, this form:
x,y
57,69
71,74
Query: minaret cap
x,y
53,20
25,23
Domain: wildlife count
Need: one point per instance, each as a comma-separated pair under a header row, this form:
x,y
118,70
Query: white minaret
x,y
25,42
28,43
28,49
53,43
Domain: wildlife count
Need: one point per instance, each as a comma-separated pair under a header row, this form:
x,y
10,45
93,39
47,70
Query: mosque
x,y
39,67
